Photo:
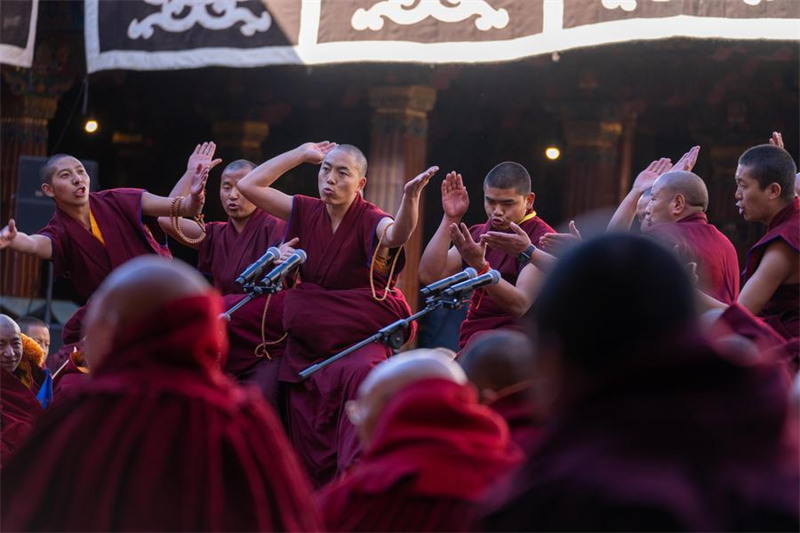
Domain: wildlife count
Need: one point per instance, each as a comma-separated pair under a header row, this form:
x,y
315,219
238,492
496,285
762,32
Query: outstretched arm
x,y
626,212
256,185
37,245
202,157
439,259
407,214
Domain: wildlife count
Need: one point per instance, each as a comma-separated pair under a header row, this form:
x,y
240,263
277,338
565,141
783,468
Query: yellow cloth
x,y
527,217
95,229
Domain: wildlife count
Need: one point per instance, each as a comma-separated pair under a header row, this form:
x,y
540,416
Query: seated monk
x,y
37,330
676,216
347,292
92,233
225,249
501,365
430,450
160,440
652,430
18,405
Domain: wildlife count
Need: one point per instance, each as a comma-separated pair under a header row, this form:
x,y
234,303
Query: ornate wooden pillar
x,y
29,100
592,132
398,151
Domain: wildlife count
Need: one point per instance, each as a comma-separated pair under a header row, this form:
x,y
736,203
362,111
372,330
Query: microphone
x,y
258,267
277,274
438,286
490,278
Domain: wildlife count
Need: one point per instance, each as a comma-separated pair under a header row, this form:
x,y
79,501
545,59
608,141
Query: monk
x,y
37,330
161,439
651,429
225,250
505,242
431,450
18,405
676,216
90,233
346,294
501,366
771,277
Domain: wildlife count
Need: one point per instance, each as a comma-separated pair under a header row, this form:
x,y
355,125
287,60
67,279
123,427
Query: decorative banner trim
x,y
16,54
316,36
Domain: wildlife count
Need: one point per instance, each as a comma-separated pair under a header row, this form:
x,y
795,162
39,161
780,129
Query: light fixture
x,y
91,126
552,153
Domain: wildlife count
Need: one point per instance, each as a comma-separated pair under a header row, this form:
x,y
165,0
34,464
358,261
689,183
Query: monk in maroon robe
x,y
225,250
19,407
501,365
431,450
161,440
650,429
676,216
505,242
91,234
346,292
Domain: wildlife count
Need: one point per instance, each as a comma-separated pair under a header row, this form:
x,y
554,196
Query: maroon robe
x,y
517,409
331,309
782,310
702,243
484,313
69,382
161,440
19,409
434,453
224,254
79,256
659,449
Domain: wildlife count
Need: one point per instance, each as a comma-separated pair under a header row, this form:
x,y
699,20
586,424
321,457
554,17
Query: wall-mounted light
x,y
91,126
552,153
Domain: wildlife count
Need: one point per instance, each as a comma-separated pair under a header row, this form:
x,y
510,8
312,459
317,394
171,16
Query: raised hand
x,y
193,205
314,153
472,253
287,249
511,243
8,234
414,187
648,176
687,160
776,139
203,155
558,243
455,199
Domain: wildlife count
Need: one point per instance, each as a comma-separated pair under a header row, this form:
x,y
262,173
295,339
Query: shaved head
x,y
498,359
393,375
133,291
689,184
358,157
10,344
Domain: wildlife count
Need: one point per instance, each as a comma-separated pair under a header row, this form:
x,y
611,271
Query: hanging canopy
x,y
178,34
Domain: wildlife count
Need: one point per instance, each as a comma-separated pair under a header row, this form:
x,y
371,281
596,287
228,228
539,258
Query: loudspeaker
x,y
33,208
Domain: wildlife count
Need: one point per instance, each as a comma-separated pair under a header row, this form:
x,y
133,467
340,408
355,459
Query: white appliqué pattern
x,y
630,5
401,12
210,14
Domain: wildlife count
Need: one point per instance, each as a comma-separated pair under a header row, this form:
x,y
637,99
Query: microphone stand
x,y
252,290
392,335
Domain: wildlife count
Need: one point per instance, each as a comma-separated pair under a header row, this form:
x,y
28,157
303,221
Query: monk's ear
x,y
47,189
774,191
529,200
678,203
362,182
